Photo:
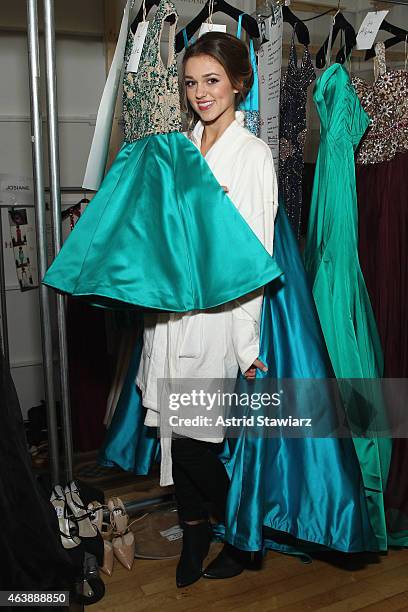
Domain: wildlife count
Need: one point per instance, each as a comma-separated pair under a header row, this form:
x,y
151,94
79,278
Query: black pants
x,y
200,479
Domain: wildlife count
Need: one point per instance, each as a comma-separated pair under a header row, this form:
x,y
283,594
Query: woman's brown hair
x,y
232,54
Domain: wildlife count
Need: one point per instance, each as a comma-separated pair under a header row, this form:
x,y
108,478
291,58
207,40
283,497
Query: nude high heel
x,y
123,542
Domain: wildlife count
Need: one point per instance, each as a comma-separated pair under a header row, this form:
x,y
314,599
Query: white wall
x,y
81,76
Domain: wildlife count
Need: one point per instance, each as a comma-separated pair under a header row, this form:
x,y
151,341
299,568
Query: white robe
x,y
215,343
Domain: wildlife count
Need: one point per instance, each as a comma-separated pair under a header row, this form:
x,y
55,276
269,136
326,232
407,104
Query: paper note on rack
x,y
138,40
369,29
269,74
211,27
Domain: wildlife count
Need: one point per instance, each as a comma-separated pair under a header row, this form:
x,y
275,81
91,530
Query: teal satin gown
x,y
155,233
286,494
309,489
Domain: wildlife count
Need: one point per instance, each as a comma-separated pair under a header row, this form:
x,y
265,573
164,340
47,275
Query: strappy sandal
x,y
66,526
123,542
81,514
105,529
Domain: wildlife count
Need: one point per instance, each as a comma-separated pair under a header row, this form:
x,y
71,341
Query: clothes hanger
x,y
249,24
340,24
74,211
297,24
149,4
399,35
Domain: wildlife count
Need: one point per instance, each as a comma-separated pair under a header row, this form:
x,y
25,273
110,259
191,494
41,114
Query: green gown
x,y
331,258
161,233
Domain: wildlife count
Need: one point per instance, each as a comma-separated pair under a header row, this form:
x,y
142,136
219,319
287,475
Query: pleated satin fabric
x,y
310,489
331,259
161,233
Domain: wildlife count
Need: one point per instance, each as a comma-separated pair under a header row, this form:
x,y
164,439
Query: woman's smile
x,y
205,105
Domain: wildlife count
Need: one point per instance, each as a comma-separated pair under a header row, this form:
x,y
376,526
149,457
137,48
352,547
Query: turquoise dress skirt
x,y
161,233
288,494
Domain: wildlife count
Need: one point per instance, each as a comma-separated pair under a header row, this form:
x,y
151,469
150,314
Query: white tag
x,y
211,27
60,511
369,29
175,536
173,533
138,40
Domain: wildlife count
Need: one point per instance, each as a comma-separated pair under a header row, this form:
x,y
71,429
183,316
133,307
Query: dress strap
x,y
293,58
166,9
187,43
380,65
239,26
406,53
185,38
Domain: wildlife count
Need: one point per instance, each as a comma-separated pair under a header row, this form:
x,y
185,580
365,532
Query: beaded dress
x,y
292,133
382,188
158,229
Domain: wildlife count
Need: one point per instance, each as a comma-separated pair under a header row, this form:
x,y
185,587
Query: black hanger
x,y
399,35
340,25
297,24
249,24
149,4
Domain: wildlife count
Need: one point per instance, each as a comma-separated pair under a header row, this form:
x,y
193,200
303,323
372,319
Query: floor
x,y
284,583
335,583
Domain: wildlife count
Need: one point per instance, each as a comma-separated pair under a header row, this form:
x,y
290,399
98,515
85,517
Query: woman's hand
x,y
251,373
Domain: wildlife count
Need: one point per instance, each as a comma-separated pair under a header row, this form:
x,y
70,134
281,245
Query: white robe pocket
x,y
192,335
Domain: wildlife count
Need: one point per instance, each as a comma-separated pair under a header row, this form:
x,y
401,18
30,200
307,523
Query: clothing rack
x,y
40,207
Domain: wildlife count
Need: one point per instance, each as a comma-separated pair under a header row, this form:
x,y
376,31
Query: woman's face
x,y
208,88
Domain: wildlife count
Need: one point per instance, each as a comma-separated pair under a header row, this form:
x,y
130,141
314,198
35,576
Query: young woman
x,y
216,343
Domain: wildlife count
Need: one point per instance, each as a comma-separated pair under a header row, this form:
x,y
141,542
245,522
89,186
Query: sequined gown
x,y
155,233
382,186
292,133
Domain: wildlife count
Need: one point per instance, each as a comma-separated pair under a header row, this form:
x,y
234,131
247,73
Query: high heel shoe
x,y
196,544
95,511
96,517
80,513
123,542
66,526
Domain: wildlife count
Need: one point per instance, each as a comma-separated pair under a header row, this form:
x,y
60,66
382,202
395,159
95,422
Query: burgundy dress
x,y
382,186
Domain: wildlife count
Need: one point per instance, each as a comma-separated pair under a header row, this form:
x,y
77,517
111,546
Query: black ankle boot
x,y
231,562
196,544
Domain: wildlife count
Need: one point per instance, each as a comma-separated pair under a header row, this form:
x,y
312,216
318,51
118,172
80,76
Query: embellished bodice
x,y
386,102
151,99
292,132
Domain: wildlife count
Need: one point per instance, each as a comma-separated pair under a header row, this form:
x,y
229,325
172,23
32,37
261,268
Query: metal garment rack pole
x,y
36,137
3,302
53,144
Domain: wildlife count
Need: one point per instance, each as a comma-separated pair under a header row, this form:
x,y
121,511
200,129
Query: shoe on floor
x,y
196,544
231,562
